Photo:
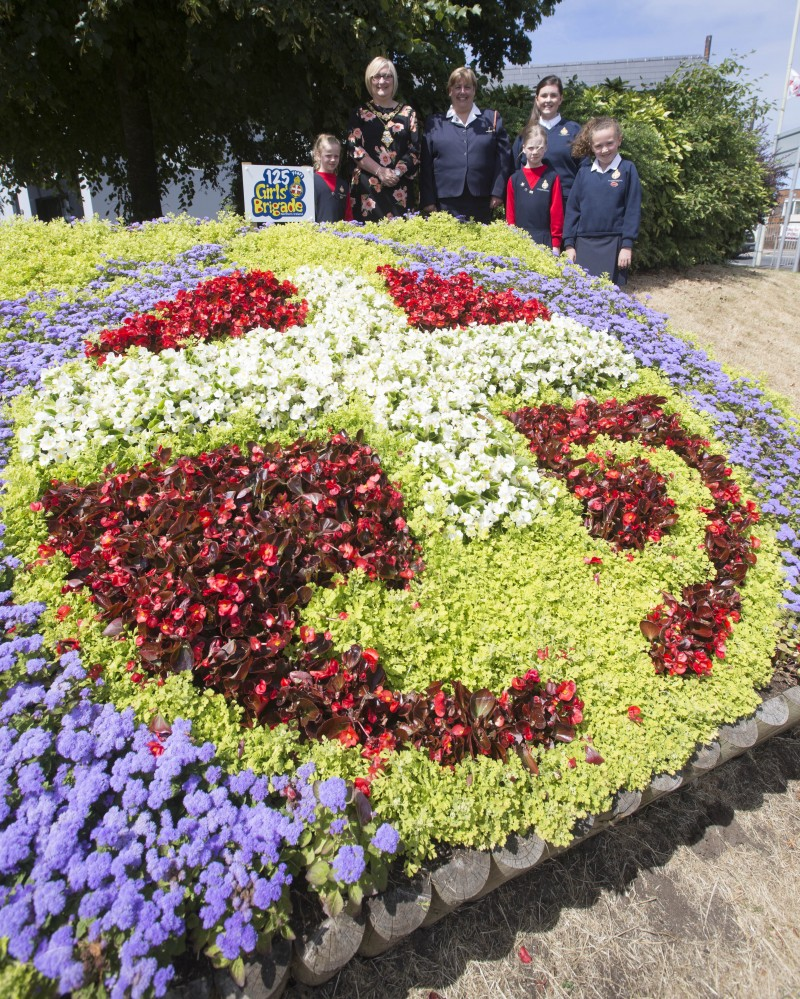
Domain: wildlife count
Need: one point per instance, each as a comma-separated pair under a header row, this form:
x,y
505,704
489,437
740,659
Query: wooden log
x,y
792,697
201,987
626,803
520,854
736,739
662,784
742,735
771,716
265,977
394,914
704,759
319,955
462,878
586,827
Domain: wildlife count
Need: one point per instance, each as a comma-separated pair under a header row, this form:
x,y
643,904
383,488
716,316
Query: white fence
x,y
777,245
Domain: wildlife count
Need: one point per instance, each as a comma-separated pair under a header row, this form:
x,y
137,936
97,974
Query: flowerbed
x,y
348,565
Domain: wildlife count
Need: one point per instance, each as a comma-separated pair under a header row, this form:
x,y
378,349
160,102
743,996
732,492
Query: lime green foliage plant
x,y
485,610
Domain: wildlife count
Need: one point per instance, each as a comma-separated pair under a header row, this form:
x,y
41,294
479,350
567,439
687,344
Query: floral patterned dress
x,y
391,138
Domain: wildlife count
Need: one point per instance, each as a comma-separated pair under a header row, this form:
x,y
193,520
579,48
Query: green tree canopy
x,y
136,91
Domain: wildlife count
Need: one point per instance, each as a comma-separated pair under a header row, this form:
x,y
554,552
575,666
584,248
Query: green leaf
x,y
318,873
238,973
332,903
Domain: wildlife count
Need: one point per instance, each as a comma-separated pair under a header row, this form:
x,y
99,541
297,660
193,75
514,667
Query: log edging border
x,y
385,920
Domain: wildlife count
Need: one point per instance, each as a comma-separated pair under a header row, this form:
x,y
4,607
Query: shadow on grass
x,y
625,862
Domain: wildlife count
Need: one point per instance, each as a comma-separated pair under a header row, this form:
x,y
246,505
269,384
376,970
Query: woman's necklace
x,y
386,116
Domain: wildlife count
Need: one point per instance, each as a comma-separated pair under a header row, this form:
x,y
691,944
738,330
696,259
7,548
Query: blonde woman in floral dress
x,y
383,145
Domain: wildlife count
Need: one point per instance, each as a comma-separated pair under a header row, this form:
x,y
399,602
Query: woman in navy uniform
x,y
605,204
561,133
331,193
533,196
466,155
383,144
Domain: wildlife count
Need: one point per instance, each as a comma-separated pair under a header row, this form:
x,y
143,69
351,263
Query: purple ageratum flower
x,y
349,864
386,839
238,936
55,958
333,794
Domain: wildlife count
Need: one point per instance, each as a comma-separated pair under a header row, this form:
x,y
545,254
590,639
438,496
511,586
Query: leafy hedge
x,y
504,678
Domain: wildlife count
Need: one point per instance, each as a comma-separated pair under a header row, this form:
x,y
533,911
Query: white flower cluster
x,y
356,345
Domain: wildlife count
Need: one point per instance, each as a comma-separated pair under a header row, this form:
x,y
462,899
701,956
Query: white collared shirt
x,y
551,123
611,166
475,112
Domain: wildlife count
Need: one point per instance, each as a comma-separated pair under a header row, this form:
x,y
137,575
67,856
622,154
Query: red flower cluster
x,y
221,307
685,634
626,501
435,302
346,700
210,558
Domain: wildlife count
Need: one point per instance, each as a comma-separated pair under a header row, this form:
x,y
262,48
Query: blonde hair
x,y
582,146
531,129
380,63
323,139
461,74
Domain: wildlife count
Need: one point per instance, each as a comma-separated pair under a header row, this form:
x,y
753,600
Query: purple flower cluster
x,y
41,331
756,434
349,864
108,832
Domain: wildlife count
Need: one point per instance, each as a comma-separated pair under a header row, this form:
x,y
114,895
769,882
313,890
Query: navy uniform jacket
x,y
558,155
604,204
477,157
330,205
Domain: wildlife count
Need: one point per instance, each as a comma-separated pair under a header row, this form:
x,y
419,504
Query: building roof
x,y
639,73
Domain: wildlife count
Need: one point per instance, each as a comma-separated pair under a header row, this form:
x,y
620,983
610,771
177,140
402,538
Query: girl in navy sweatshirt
x,y
604,206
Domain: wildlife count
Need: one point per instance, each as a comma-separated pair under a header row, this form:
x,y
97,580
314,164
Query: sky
x,y
758,32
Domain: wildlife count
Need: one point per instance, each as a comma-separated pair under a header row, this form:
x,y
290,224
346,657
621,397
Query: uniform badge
x,y
545,185
614,183
616,175
564,131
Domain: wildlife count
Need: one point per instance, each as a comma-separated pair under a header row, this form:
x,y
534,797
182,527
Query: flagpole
x,y
788,77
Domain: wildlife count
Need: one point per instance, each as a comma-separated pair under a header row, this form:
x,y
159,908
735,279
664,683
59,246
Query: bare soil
x,y
746,318
696,896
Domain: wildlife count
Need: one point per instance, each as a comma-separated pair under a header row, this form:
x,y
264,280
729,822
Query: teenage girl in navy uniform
x,y
605,204
560,133
533,195
331,193
466,155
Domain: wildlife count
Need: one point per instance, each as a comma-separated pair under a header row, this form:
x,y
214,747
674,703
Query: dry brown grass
x,y
748,318
696,896
693,898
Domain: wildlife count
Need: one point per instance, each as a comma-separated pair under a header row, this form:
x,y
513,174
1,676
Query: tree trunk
x,y
137,129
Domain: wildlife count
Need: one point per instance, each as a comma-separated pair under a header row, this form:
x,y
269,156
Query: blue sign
x,y
278,193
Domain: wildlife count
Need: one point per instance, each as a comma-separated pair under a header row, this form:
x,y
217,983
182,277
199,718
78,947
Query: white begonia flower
x,y
356,345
